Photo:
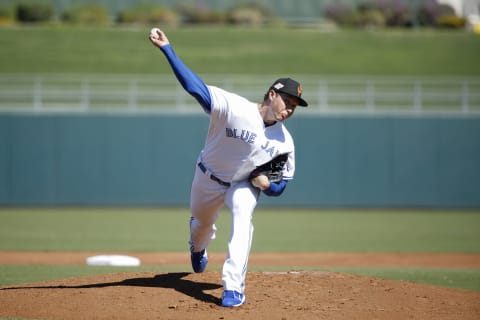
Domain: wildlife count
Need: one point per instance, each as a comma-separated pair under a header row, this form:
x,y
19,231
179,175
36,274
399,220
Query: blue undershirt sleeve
x,y
190,81
276,188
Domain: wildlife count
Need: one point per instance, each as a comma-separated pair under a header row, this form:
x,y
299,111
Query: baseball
x,y
153,33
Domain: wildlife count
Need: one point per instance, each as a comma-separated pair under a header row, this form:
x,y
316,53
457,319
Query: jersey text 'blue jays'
x,y
271,150
241,134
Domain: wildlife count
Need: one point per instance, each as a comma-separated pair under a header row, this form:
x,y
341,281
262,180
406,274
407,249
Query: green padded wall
x,y
341,161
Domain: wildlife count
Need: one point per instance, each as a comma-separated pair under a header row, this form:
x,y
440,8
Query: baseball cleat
x,y
199,260
232,299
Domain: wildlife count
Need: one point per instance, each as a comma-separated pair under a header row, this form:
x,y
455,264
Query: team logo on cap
x,y
278,86
299,90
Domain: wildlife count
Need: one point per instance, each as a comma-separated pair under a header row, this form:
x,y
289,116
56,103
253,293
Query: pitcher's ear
x,y
272,93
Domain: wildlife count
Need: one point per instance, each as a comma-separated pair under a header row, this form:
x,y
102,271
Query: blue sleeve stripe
x,y
190,81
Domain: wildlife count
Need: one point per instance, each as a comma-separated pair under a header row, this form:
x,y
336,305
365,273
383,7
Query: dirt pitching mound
x,y
270,295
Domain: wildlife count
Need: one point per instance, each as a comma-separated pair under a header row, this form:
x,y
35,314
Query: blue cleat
x,y
232,299
199,260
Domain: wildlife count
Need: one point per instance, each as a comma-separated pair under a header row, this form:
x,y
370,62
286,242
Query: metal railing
x,y
162,93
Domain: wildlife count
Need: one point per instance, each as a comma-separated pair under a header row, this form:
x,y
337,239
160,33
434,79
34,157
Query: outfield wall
x,y
342,161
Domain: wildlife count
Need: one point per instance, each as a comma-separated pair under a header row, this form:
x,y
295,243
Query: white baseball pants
x,y
206,199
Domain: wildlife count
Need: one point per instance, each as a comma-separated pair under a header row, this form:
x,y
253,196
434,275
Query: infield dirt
x,y
270,295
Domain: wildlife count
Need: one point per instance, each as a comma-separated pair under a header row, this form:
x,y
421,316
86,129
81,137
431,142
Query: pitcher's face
x,y
284,106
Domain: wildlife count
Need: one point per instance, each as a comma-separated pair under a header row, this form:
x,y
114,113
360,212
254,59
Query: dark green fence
x,y
342,161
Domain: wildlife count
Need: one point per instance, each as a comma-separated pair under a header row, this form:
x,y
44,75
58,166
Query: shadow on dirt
x,y
173,280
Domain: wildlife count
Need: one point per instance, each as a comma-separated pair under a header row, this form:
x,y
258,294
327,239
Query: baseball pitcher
x,y
247,150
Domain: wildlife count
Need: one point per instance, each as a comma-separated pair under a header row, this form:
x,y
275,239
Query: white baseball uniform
x,y
237,142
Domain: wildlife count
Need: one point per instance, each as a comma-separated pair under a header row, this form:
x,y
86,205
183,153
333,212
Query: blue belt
x,y
214,178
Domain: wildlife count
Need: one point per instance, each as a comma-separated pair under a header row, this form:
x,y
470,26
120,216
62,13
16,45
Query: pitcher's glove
x,y
273,169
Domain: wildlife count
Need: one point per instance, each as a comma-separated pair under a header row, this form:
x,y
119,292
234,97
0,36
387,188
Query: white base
x,y
113,260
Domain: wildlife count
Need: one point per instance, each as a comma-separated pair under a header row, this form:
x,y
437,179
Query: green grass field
x,y
301,230
225,50
307,230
